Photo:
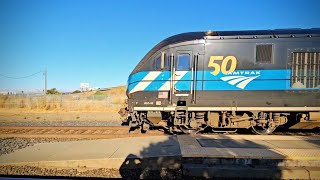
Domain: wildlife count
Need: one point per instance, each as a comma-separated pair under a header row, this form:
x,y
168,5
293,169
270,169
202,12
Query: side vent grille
x,y
305,70
264,53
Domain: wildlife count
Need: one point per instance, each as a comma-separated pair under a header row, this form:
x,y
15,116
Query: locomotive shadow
x,y
300,132
158,160
156,128
171,159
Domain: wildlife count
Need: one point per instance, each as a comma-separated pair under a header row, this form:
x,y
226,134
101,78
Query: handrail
x,y
194,80
171,79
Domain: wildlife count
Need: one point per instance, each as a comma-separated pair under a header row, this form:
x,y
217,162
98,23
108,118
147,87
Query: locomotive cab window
x,y
264,53
183,62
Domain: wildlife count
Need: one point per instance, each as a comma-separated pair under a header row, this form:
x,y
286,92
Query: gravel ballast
x,y
146,173
36,171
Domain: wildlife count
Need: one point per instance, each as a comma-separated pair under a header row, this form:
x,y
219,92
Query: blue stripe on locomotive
x,y
263,74
265,80
130,86
254,85
137,77
159,81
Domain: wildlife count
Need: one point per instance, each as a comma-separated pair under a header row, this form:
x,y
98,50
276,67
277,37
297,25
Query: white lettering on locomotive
x,y
244,73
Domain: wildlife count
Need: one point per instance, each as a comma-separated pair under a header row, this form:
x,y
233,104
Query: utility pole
x,y
45,81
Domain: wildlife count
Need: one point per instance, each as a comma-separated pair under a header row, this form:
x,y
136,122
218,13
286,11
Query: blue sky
x,y
101,41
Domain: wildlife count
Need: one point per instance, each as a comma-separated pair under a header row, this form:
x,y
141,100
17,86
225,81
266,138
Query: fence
x,y
69,102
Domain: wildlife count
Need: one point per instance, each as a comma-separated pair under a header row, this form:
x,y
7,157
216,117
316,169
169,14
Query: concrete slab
x,y
294,144
250,146
266,147
95,149
227,143
249,172
148,147
256,137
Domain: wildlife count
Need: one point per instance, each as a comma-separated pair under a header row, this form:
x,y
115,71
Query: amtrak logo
x,y
241,81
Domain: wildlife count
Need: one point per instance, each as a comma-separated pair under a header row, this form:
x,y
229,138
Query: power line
x,y
23,77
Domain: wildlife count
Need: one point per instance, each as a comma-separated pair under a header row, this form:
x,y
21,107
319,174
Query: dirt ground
x,y
13,116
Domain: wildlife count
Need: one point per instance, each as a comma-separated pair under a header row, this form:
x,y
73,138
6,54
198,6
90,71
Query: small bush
x,y
76,91
99,93
53,91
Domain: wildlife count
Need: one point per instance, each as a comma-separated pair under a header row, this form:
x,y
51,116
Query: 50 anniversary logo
x,y
233,78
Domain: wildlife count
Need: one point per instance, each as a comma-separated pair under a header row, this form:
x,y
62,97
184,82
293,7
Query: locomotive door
x,y
183,73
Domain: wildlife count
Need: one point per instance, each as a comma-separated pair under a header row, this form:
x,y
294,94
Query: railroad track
x,y
97,132
73,132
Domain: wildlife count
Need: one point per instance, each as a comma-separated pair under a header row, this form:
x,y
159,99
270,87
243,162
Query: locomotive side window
x,y
167,62
183,62
157,63
264,53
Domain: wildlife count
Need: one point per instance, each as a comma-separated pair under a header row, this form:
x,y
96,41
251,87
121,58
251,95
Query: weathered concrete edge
x,y
211,161
116,163
251,157
172,162
109,163
192,170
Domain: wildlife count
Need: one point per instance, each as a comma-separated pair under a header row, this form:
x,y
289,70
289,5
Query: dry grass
x,y
111,100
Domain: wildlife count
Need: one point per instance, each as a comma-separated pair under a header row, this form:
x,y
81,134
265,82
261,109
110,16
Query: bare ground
x,y
14,116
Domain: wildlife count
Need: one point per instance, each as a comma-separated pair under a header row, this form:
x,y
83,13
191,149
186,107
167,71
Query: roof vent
x,y
211,33
264,53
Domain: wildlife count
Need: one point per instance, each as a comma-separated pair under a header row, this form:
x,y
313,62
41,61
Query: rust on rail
x,y
65,127
72,132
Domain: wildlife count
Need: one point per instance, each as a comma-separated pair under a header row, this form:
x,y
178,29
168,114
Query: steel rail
x,y
72,132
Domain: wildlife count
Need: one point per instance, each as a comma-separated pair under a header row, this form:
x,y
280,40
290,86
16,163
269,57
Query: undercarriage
x,y
184,121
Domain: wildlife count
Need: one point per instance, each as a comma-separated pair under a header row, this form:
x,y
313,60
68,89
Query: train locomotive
x,y
226,80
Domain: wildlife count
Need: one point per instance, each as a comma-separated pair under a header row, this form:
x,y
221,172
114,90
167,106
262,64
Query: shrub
x,y
53,91
99,93
76,91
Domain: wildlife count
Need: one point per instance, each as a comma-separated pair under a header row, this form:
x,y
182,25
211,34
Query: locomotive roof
x,y
189,36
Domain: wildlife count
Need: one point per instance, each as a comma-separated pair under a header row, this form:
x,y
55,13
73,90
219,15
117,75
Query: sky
x,y
101,41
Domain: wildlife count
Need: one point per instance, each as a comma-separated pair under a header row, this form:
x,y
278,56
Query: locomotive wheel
x,y
170,130
144,127
129,121
263,130
170,124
